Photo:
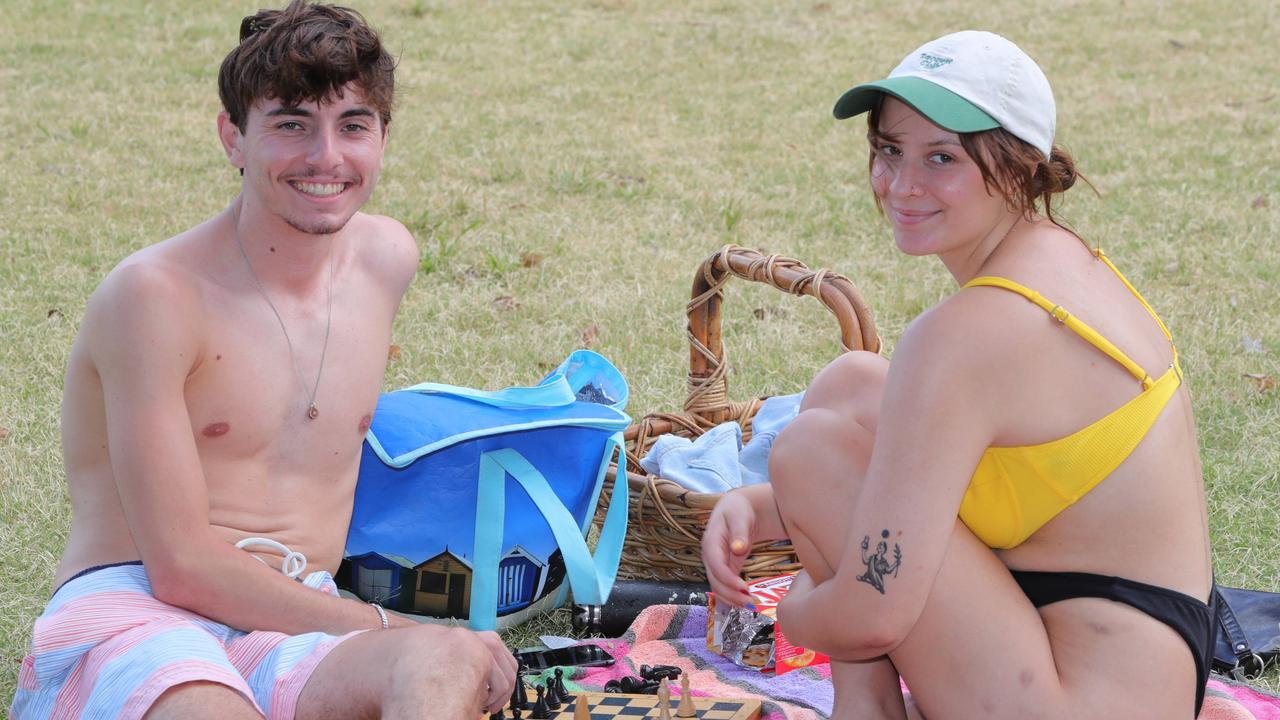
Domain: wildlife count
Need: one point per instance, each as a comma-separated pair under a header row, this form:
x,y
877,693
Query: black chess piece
x,y
497,716
540,710
515,713
520,694
657,672
552,697
561,690
633,685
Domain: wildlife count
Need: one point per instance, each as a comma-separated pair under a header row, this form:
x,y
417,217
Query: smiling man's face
x,y
313,164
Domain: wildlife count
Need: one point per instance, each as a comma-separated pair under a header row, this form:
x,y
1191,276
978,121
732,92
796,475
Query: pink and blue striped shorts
x,y
106,648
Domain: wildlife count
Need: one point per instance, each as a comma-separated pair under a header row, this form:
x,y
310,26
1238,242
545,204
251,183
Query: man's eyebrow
x,y
358,112
293,111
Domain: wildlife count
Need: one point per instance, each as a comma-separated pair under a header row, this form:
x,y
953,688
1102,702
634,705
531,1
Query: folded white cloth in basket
x,y
716,462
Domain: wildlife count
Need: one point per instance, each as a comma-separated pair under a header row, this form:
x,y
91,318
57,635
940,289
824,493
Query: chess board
x,y
608,706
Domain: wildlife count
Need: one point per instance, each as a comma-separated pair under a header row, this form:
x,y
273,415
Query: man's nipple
x,y
215,429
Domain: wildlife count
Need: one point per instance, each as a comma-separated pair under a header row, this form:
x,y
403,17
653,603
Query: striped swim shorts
x,y
105,647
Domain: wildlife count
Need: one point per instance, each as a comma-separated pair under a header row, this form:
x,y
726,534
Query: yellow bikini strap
x,y
1061,315
1103,257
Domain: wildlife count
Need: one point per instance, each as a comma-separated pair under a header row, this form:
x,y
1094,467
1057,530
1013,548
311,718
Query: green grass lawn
x,y
623,141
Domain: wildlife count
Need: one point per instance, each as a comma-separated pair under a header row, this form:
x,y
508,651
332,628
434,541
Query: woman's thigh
x,y
981,650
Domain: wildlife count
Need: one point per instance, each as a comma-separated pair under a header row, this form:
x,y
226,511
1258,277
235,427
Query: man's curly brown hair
x,y
305,53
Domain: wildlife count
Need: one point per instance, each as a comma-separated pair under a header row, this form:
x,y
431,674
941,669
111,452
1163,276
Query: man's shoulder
x,y
149,279
148,298
387,248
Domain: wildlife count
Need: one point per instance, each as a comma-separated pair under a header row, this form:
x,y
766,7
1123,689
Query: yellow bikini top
x,y
1014,491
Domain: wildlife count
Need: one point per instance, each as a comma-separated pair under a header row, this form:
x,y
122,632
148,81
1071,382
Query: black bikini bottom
x,y
1189,617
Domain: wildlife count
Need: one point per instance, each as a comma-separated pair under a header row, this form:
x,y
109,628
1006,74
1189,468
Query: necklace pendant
x,y
312,412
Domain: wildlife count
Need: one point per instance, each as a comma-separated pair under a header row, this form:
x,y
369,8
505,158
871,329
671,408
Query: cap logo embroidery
x,y
933,62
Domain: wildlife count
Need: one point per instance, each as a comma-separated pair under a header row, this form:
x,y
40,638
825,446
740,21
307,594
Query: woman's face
x,y
931,190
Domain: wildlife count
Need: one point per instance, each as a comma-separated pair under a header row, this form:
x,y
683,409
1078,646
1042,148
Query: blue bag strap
x,y
590,577
553,392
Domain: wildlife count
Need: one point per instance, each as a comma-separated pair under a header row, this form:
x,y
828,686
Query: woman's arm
x,y
936,419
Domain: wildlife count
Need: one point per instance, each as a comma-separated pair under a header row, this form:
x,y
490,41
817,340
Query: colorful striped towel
x,y
676,635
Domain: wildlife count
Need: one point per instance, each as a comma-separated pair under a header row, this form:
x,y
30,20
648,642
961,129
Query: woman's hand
x,y
726,542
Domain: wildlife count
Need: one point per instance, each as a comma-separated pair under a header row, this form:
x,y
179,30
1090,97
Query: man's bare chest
x,y
249,397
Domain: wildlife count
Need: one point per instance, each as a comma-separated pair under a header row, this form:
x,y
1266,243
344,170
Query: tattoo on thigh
x,y
878,565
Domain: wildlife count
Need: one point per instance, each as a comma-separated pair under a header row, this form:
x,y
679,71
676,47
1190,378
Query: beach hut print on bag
x,y
444,586
386,579
488,496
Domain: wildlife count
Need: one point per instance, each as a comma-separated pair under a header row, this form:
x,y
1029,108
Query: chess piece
x,y
552,696
636,686
657,672
497,716
686,709
561,690
540,710
664,700
580,709
520,694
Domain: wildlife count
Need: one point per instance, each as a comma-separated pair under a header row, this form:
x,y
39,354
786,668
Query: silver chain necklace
x,y
312,411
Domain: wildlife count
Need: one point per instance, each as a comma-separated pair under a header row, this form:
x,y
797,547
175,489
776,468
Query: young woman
x,y
1010,514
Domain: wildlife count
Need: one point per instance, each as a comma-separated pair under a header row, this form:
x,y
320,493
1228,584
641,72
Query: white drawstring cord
x,y
293,563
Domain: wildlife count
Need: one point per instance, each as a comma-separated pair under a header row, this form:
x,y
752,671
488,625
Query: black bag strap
x,y
1248,663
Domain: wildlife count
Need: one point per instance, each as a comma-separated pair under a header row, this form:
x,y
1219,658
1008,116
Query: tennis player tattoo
x,y
878,565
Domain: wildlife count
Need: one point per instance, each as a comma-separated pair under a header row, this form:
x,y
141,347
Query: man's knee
x,y
453,652
200,700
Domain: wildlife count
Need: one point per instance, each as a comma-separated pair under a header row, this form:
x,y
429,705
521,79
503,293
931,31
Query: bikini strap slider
x,y
1059,314
1147,382
1097,252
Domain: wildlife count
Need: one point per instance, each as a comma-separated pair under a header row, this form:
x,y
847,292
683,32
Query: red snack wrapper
x,y
753,638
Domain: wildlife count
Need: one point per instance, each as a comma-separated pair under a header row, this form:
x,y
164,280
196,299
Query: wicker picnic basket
x,y
667,519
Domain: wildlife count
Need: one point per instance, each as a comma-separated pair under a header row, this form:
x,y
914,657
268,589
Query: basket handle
x,y
708,372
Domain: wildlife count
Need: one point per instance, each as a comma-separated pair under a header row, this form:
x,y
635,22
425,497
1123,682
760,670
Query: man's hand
x,y
502,672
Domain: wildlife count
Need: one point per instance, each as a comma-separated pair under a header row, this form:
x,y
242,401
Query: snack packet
x,y
753,639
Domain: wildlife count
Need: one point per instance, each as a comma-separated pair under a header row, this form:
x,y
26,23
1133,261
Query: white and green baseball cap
x,y
967,82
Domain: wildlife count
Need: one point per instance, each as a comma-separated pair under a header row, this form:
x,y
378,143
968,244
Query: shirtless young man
x,y
219,390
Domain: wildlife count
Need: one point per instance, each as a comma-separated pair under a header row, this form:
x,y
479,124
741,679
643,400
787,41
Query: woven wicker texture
x,y
667,519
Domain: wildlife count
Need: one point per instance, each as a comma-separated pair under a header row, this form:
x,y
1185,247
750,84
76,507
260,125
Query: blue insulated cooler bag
x,y
475,505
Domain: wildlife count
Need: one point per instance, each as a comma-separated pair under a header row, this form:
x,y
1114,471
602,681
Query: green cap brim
x,y
942,107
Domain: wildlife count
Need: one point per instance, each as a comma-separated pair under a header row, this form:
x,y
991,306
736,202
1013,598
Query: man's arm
x,y
144,329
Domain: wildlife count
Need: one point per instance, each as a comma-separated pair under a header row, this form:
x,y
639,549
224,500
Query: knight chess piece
x,y
520,694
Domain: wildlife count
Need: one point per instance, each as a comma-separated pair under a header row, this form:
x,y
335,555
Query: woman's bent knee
x,y
819,447
851,385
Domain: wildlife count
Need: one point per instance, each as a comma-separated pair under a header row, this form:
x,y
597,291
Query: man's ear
x,y
231,139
